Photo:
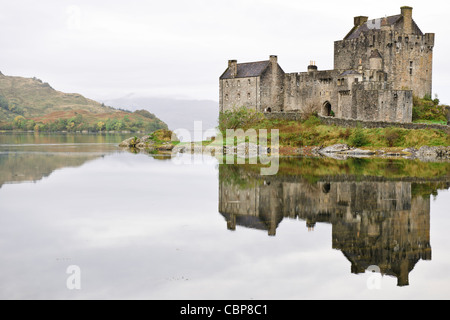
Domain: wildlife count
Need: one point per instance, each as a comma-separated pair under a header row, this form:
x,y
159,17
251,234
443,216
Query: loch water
x,y
81,218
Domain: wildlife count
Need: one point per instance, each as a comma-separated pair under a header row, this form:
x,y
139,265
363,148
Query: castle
x,y
378,67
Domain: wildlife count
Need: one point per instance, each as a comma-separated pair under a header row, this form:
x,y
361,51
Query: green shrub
x,y
358,138
428,109
393,136
239,118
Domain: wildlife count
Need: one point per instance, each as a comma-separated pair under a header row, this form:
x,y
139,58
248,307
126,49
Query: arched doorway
x,y
326,110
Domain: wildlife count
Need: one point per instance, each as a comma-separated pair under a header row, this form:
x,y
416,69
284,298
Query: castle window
x,y
249,81
239,96
239,83
226,97
248,96
410,67
226,84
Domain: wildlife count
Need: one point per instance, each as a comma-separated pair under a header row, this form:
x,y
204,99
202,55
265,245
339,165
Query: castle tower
x,y
407,53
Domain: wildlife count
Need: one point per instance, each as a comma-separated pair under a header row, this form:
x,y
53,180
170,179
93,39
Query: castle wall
x,y
310,90
272,88
407,58
238,92
374,101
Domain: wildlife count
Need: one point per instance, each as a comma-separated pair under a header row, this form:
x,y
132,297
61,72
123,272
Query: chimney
x,y
407,19
274,61
360,20
232,65
312,66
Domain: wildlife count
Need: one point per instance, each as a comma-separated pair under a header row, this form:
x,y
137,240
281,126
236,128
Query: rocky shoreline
x,y
249,150
425,153
339,151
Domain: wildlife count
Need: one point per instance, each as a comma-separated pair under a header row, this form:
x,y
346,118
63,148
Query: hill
x,y
31,104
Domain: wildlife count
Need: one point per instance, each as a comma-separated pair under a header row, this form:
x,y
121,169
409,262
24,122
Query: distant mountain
x,y
31,104
176,113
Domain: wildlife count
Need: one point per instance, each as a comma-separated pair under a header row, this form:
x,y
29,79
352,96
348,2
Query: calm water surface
x,y
149,227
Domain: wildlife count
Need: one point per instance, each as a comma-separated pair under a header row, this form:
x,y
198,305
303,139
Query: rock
x,y
431,153
166,147
247,150
360,152
130,142
335,148
427,152
410,150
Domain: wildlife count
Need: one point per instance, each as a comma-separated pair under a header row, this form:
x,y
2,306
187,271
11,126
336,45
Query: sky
x,y
109,49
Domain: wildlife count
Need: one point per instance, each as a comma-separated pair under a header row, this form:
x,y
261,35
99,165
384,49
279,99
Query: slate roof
x,y
375,54
375,24
249,69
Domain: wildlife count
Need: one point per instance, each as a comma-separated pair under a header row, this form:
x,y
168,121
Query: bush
x,y
358,138
240,118
345,134
428,109
312,121
393,136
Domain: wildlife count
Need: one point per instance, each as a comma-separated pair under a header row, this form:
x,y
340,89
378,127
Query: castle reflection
x,y
375,220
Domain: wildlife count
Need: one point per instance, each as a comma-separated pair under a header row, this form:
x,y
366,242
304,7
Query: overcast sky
x,y
106,49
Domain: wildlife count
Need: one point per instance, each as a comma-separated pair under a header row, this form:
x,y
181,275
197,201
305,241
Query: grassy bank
x,y
311,132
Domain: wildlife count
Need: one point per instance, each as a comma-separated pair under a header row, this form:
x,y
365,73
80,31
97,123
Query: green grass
x,y
427,110
441,122
312,132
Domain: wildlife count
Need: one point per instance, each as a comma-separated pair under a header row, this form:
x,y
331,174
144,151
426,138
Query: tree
x,y
100,125
118,126
20,122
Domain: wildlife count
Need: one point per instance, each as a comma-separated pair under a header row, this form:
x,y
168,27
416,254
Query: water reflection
x,y
376,220
33,156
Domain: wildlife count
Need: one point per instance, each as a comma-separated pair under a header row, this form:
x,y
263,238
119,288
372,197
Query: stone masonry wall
x,y
407,59
310,89
352,123
239,92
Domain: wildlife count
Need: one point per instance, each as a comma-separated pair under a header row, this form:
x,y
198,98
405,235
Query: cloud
x,y
180,48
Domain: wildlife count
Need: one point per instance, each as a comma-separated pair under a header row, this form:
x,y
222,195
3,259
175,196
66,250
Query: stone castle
x,y
378,67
